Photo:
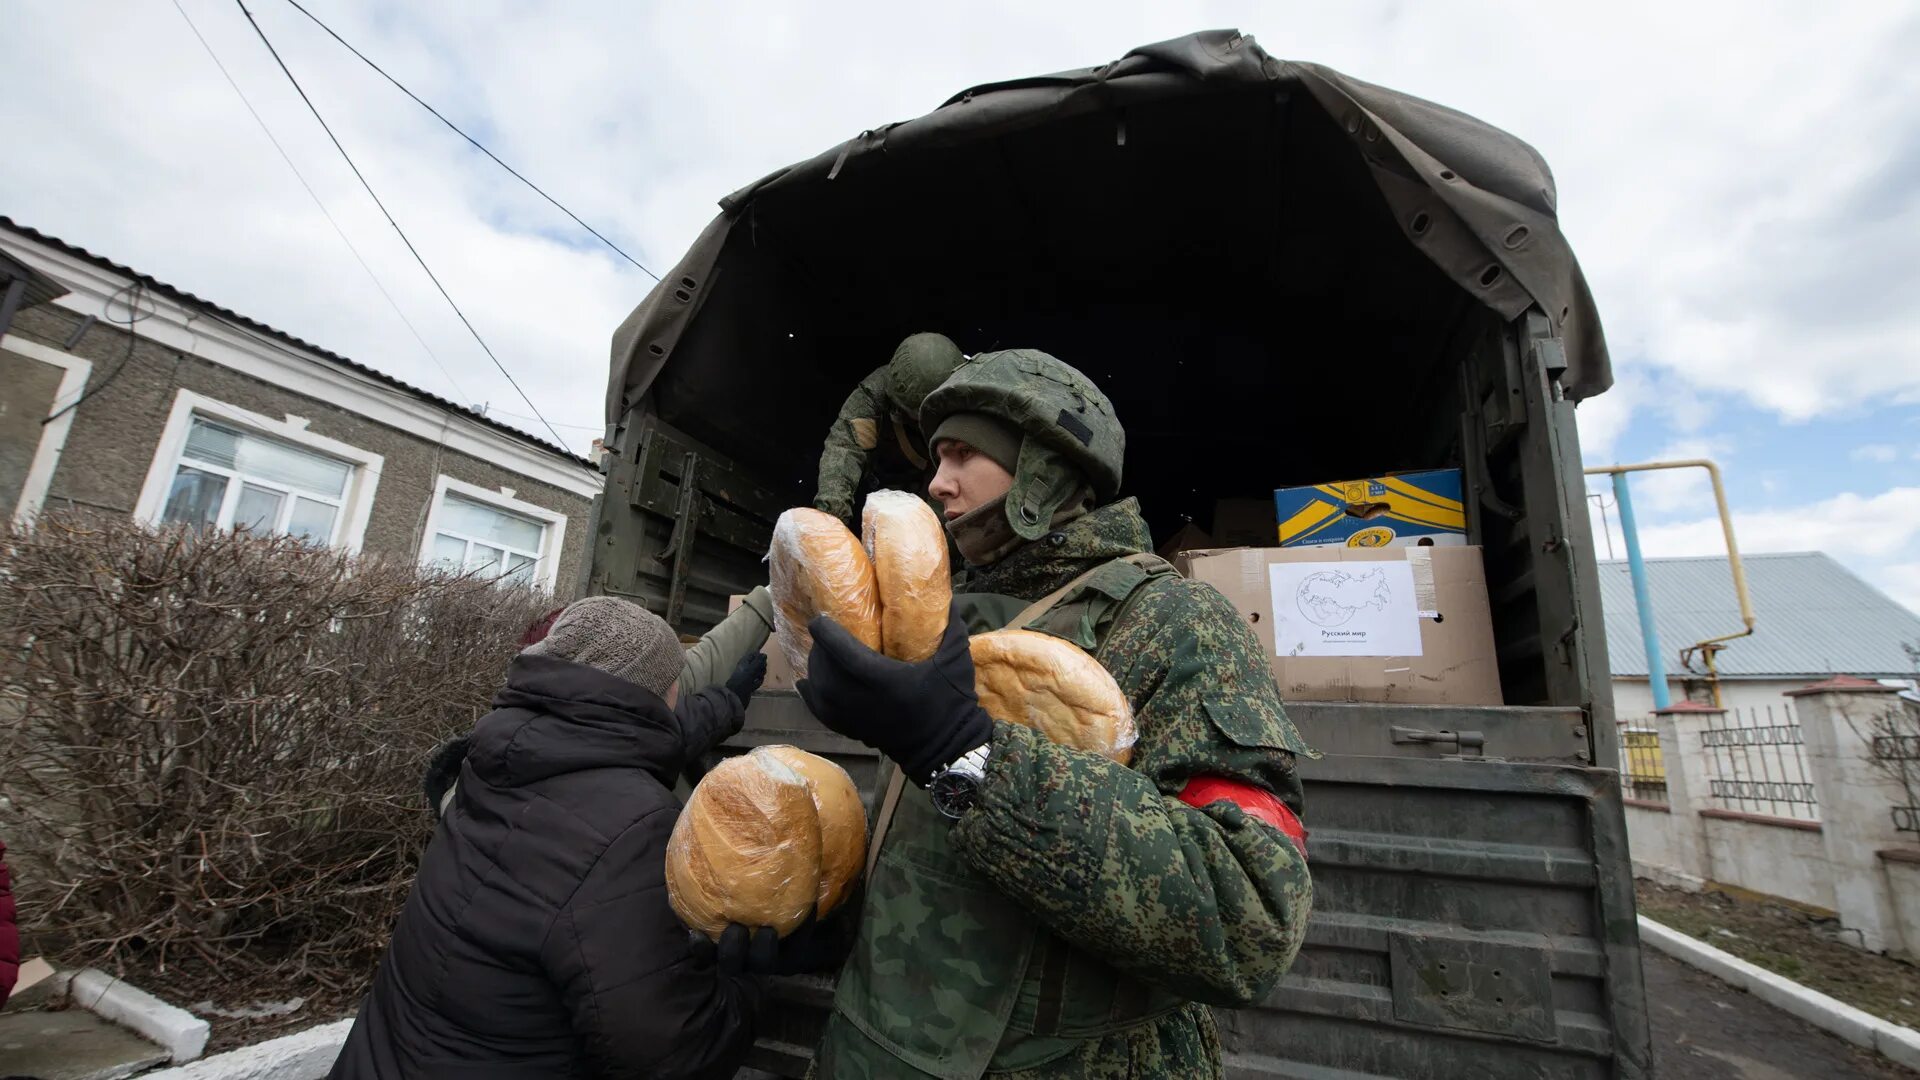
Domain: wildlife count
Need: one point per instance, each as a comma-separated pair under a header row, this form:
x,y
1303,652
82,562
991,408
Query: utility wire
x,y
476,143
134,315
396,225
556,423
375,278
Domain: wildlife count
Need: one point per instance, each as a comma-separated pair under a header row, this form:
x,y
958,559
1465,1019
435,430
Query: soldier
x,y
1041,912
877,433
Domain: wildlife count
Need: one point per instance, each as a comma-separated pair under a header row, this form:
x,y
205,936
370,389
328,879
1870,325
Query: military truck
x,y
1280,275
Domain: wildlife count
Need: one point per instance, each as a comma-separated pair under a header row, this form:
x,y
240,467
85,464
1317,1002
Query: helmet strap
x,y
1044,482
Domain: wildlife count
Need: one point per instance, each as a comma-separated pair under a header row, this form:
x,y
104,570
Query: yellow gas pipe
x,y
1710,646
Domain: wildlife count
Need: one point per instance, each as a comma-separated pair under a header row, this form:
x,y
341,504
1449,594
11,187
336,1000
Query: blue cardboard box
x,y
1411,509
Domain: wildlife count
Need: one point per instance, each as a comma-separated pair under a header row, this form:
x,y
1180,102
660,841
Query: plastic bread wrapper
x,y
816,566
768,838
1053,686
908,547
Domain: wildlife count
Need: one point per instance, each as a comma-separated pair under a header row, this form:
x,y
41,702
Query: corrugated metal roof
x,y
182,296
1814,617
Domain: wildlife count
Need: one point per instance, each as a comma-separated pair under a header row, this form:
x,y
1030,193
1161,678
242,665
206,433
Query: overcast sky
x,y
1741,182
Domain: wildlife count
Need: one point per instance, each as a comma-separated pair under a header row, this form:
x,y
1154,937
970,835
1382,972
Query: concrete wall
x,y
1901,870
1633,698
1856,862
117,430
1649,838
1779,860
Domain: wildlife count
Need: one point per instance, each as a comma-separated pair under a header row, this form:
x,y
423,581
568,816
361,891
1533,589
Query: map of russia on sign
x,y
1344,609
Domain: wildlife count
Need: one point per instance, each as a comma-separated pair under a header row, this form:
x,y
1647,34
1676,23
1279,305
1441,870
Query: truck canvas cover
x,y
1281,276
1475,200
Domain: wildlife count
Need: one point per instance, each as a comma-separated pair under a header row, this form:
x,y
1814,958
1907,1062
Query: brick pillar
x,y
1685,757
1836,718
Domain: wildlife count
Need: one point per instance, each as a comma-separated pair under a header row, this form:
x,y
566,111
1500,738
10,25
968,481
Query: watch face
x,y
953,793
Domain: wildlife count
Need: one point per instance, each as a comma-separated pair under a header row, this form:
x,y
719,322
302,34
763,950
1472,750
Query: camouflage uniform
x,y
1077,922
877,433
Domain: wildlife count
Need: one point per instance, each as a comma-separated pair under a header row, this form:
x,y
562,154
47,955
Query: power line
x,y
576,427
431,276
297,175
134,315
476,143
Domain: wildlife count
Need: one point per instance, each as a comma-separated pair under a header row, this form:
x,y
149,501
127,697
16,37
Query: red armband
x,y
1253,800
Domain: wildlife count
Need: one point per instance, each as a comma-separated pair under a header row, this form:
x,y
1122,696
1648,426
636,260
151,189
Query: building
x,y
124,394
1814,619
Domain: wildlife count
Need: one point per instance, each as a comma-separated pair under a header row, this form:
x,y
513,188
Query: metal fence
x,y
1756,763
1894,739
1644,768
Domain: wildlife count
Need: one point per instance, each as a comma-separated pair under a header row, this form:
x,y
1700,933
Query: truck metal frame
x,y
1474,911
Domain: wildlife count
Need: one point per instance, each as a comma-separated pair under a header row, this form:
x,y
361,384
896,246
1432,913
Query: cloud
x,y
1882,453
1875,535
1664,492
1902,582
1753,250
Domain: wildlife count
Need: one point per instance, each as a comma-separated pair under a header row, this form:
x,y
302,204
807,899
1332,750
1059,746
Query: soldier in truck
x,y
876,440
1036,911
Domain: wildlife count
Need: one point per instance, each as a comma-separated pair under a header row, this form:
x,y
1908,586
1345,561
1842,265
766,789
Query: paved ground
x,y
71,1044
1704,1029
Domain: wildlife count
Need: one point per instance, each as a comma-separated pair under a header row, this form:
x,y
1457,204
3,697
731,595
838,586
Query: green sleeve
x,y
1210,904
855,432
711,659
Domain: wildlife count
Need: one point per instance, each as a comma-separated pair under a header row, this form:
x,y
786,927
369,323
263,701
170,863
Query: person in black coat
x,y
537,941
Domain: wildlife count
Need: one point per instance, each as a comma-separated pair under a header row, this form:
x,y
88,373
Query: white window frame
x,y
546,571
53,433
356,504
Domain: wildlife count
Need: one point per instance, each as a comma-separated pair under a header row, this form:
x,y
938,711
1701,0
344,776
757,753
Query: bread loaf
x,y
767,839
909,552
817,567
1053,686
843,823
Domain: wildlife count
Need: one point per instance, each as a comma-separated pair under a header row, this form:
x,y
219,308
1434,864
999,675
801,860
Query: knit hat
x,y
620,638
990,435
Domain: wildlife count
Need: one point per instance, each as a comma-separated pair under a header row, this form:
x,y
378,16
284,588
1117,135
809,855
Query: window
x,y
219,466
486,541
491,534
233,479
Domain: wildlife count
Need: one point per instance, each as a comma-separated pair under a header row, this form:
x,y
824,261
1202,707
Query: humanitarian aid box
x,y
1397,510
1400,625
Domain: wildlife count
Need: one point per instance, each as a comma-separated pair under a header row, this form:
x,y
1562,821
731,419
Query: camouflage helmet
x,y
1062,416
919,365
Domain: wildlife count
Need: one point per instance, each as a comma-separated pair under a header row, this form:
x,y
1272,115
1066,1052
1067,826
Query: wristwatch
x,y
954,788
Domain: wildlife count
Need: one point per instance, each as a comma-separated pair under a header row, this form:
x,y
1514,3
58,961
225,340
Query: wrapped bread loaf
x,y
843,822
767,839
817,567
908,548
1052,685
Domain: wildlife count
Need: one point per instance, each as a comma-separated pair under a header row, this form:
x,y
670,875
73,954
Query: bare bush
x,y
211,744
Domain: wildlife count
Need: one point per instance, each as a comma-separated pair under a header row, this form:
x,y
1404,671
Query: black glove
x,y
747,676
924,716
814,946
738,951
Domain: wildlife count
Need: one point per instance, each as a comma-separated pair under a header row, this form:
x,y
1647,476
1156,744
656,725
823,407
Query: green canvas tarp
x,y
1476,201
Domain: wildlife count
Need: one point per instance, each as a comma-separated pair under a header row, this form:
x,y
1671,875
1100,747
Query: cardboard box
x,y
1415,509
1391,625
779,674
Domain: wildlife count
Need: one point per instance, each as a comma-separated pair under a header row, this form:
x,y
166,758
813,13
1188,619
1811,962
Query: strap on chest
x,y
1152,564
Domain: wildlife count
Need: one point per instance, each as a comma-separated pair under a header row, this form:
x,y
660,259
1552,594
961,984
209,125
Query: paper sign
x,y
1344,609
